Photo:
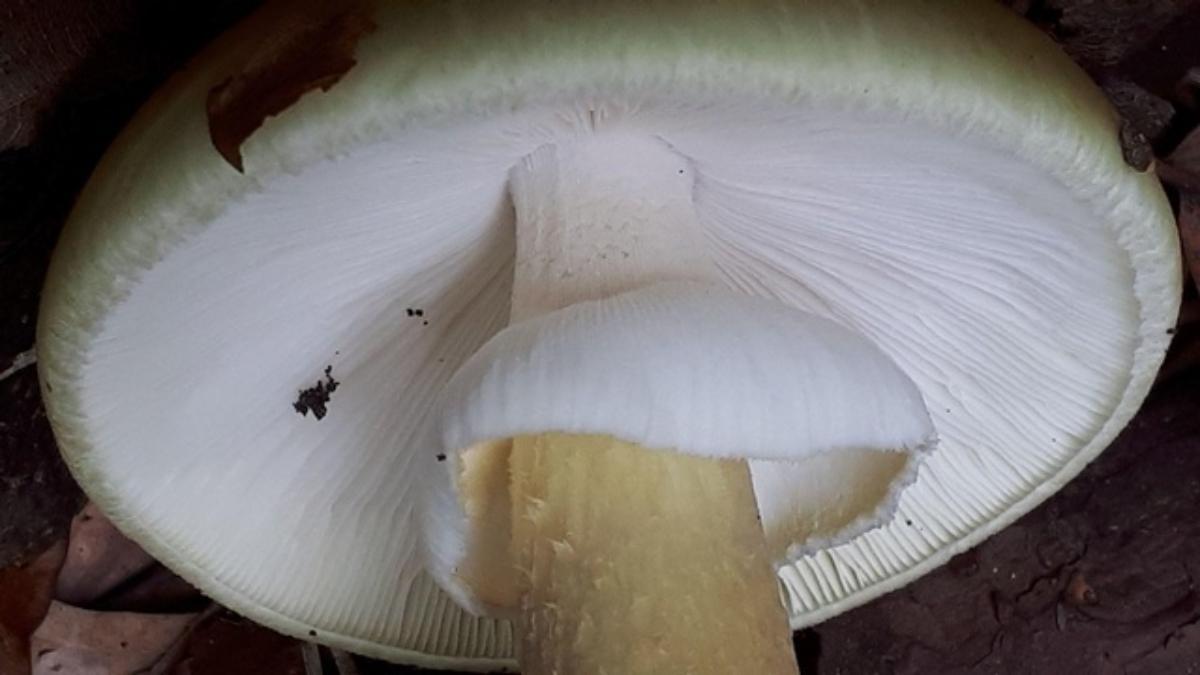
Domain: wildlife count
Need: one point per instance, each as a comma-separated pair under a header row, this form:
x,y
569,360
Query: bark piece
x,y
83,642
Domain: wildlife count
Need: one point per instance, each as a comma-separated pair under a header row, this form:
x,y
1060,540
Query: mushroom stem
x,y
629,561
639,561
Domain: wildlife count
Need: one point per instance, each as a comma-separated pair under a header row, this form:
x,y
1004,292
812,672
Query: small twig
x,y
20,362
344,661
311,654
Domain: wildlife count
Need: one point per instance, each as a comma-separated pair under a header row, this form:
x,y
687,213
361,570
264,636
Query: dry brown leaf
x,y
156,591
107,571
25,596
309,48
99,558
83,642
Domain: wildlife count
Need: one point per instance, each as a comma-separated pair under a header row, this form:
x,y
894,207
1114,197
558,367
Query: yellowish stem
x,y
641,562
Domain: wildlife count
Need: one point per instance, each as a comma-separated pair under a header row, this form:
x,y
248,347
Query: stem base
x,y
635,561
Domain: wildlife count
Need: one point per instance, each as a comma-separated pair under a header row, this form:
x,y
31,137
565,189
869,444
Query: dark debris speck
x,y
441,457
316,397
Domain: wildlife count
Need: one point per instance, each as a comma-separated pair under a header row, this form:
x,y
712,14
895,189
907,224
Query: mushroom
x,y
410,323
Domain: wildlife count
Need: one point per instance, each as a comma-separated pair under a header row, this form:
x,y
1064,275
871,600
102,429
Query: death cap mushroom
x,y
936,179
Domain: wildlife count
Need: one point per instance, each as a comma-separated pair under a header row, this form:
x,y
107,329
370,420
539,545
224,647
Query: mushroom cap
x,y
937,177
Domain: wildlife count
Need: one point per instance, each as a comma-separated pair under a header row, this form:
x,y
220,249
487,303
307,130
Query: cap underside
x,y
1030,315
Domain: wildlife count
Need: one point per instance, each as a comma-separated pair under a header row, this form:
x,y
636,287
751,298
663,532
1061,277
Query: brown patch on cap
x,y
312,49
